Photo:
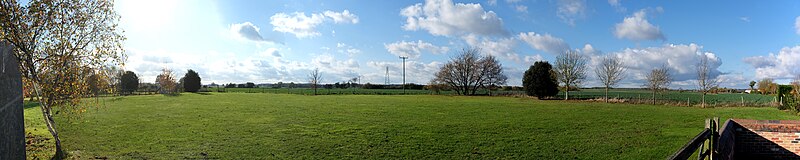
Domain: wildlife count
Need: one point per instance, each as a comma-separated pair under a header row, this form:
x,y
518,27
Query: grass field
x,y
287,126
634,94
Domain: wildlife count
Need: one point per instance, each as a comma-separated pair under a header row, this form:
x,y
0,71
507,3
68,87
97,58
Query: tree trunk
x,y
606,94
704,100
566,96
50,122
654,97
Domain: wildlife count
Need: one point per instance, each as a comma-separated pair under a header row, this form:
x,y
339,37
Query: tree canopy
x,y
191,81
470,71
539,80
129,82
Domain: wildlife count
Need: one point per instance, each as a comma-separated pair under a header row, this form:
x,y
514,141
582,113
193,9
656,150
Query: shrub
x,y
538,80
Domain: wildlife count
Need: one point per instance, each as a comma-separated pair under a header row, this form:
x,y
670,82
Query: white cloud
x,y
745,19
303,26
521,8
797,24
546,42
569,10
614,2
681,59
342,17
416,71
413,49
784,65
501,48
443,18
271,52
347,49
637,27
617,5
491,2
297,23
531,59
249,31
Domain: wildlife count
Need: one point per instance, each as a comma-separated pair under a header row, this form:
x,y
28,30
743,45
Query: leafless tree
x,y
658,79
765,85
469,71
571,68
705,81
610,71
314,78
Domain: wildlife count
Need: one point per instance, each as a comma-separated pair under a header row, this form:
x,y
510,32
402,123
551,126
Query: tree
x,y
610,71
538,80
752,83
469,71
192,81
129,82
658,79
314,78
55,43
166,82
705,80
571,68
765,85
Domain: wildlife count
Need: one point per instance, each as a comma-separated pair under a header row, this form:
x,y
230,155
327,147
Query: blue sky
x,y
281,41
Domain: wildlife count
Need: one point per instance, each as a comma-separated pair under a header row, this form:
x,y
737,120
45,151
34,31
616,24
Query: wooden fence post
x,y
12,126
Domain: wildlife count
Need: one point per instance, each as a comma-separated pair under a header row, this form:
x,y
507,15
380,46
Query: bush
x,y
538,80
191,81
129,82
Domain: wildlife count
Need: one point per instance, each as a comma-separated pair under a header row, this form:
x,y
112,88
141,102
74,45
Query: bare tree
x,y
705,80
493,71
314,78
571,68
610,72
658,79
765,85
469,71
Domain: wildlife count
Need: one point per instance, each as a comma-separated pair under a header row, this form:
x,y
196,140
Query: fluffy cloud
x,y
444,18
521,8
569,10
797,24
501,48
617,5
346,49
303,26
491,2
416,71
413,49
544,42
681,59
784,65
342,17
249,31
637,28
531,59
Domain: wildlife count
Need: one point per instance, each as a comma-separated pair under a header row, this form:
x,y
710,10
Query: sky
x,y
235,41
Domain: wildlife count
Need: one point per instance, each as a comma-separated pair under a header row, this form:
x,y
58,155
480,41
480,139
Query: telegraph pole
x,y
404,73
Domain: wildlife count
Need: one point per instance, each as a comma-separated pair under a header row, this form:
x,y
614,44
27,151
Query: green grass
x,y
286,126
694,97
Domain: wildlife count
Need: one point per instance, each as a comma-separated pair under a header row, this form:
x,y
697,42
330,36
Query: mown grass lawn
x,y
258,125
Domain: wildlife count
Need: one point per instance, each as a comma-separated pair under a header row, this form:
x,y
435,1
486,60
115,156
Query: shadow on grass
x,y
202,93
29,104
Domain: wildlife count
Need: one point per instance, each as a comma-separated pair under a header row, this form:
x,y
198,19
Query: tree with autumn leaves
x,y
59,45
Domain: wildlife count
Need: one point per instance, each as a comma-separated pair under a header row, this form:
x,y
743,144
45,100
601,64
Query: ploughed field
x,y
290,126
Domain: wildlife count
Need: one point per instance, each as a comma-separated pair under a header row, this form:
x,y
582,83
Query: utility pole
x,y
404,73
